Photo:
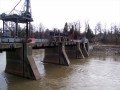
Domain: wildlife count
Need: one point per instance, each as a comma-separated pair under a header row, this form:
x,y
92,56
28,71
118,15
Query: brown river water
x,y
92,73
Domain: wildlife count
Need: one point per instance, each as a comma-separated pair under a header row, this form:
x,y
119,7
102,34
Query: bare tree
x,y
116,33
75,27
41,30
31,30
47,33
89,33
86,26
66,28
98,28
104,39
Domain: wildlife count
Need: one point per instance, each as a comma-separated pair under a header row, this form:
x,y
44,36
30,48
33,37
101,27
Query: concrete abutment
x,y
20,62
85,49
56,55
74,51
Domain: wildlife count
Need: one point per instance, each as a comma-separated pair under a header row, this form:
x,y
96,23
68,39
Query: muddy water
x,y
92,73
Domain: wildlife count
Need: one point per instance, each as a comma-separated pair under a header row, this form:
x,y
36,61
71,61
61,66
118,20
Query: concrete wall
x,y
74,51
56,55
14,62
20,62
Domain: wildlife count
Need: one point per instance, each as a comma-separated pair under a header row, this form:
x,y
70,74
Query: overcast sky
x,y
54,13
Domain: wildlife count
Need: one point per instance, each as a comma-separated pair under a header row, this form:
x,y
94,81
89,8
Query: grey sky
x,y
54,13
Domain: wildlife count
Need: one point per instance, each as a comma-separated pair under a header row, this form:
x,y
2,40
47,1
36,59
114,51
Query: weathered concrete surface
x,y
79,52
14,62
71,51
32,63
56,55
84,48
20,62
74,51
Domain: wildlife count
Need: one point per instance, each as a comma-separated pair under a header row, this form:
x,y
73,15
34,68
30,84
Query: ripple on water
x,y
92,73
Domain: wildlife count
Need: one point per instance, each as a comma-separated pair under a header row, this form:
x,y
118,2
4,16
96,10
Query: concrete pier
x,y
74,51
20,62
79,51
56,55
84,48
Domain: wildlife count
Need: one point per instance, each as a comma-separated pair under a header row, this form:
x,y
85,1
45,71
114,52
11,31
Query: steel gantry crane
x,y
24,16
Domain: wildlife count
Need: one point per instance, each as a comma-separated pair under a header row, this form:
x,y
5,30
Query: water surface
x,y
92,73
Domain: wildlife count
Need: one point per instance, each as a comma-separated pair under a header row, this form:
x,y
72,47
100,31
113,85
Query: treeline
x,y
72,30
105,35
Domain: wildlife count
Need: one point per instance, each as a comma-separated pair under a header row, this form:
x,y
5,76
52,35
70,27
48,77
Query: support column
x,y
3,27
84,49
16,34
20,62
27,31
79,51
56,55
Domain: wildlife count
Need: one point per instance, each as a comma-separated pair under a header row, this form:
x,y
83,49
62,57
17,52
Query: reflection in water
x,y
3,81
92,73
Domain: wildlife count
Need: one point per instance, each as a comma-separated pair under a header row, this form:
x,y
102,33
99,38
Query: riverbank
x,y
102,49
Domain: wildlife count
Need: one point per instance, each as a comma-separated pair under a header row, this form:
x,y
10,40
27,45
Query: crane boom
x,y
23,17
28,5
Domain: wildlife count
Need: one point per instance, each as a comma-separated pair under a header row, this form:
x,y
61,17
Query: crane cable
x,y
15,7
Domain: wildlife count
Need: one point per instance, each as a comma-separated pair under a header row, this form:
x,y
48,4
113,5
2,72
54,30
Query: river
x,y
92,73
